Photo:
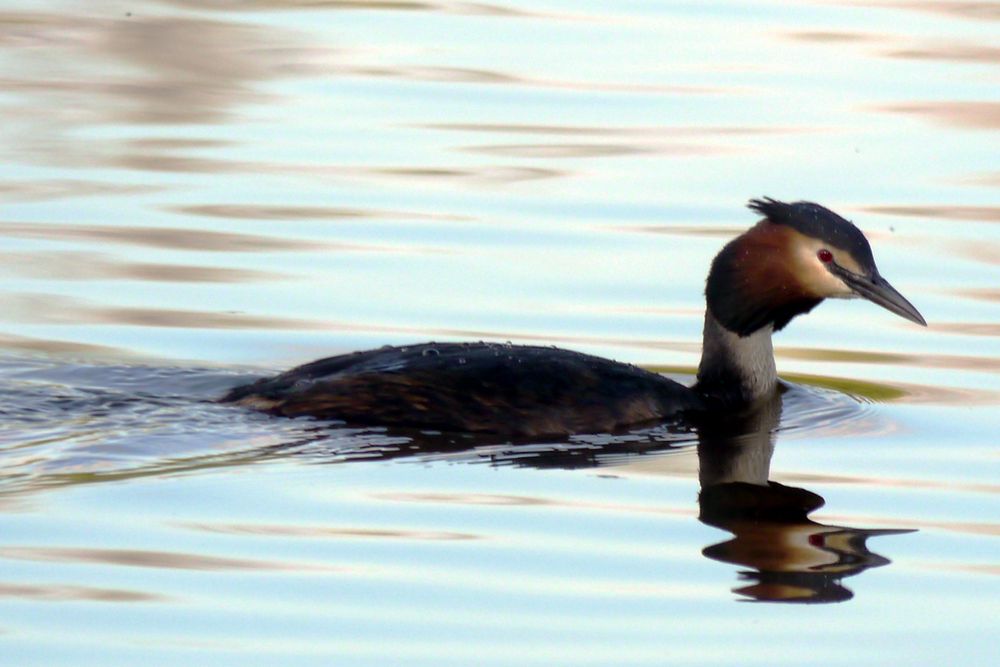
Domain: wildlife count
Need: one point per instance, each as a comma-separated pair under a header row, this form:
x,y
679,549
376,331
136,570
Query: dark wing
x,y
484,387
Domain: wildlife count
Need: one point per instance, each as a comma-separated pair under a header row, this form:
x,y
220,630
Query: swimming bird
x,y
796,256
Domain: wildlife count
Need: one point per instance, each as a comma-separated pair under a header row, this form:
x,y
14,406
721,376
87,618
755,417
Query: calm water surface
x,y
196,192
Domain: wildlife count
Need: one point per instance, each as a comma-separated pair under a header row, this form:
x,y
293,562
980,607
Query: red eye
x,y
825,256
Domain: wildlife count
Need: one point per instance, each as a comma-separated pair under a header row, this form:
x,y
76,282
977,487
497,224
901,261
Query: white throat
x,y
729,362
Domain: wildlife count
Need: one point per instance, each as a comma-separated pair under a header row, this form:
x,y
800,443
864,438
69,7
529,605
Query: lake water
x,y
197,192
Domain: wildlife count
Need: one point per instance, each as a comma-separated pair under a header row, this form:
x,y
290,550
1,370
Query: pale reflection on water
x,y
193,191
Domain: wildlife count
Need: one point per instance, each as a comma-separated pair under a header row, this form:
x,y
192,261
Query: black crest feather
x,y
818,222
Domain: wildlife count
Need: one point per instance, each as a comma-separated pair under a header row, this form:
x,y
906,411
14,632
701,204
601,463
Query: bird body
x,y
784,266
519,390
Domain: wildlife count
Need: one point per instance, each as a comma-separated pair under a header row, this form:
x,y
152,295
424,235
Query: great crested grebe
x,y
785,265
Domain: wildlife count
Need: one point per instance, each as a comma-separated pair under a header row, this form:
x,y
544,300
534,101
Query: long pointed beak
x,y
879,291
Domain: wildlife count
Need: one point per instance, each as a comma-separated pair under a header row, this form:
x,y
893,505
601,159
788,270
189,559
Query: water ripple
x,y
171,238
289,212
98,266
979,115
948,212
332,532
970,10
151,559
69,592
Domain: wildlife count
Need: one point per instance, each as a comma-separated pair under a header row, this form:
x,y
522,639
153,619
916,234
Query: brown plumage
x,y
752,283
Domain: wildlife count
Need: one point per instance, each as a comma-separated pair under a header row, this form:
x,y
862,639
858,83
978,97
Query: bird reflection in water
x,y
790,558
787,556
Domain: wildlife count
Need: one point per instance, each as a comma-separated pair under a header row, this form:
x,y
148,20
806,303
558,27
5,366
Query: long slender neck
x,y
735,370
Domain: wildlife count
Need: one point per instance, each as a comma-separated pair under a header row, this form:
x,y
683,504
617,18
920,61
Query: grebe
x,y
785,265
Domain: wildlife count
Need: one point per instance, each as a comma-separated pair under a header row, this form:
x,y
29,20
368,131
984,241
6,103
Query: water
x,y
196,193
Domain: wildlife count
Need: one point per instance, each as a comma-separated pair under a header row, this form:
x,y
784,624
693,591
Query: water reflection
x,y
964,115
335,532
289,212
65,188
681,140
63,593
790,557
167,238
443,6
149,559
100,266
950,52
974,11
463,75
646,133
957,52
991,180
973,213
786,556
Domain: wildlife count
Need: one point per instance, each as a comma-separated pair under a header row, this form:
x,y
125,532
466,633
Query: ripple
x,y
68,593
965,527
891,392
175,238
53,309
949,212
650,132
482,174
965,9
171,238
70,424
980,294
65,188
707,231
486,174
285,530
439,74
972,568
970,328
991,179
981,251
594,150
950,52
183,70
442,6
835,36
152,559
95,266
511,500
269,5
970,363
286,212
60,347
831,407
964,115
958,52
170,162
179,143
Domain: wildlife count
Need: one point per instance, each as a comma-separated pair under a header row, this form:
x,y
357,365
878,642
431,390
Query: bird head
x,y
798,255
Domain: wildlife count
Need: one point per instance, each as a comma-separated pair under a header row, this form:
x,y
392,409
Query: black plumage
x,y
476,387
